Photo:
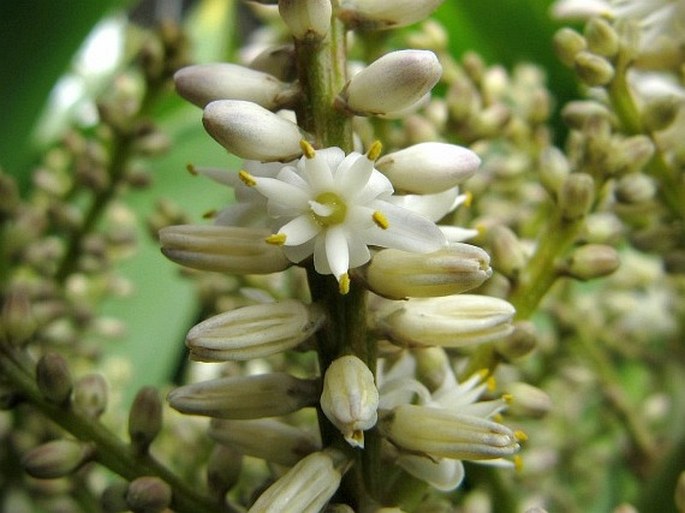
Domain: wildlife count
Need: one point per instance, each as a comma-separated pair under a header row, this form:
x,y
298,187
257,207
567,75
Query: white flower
x,y
334,206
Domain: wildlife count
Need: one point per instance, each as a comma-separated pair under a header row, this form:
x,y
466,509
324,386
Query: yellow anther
x,y
210,214
374,150
358,437
483,374
507,398
191,169
247,178
344,283
307,149
491,383
469,199
518,463
380,220
481,229
497,417
520,435
277,239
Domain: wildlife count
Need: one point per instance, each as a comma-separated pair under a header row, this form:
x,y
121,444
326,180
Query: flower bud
x,y
90,395
228,249
508,253
632,154
201,84
246,397
223,469
601,37
397,274
252,132
391,83
145,418
254,331
277,61
307,19
269,439
567,44
592,69
528,401
55,459
661,112
441,473
148,495
306,487
113,498
445,433
576,196
592,261
635,188
432,366
680,492
350,398
428,167
577,113
451,321
17,322
53,378
519,343
554,168
385,14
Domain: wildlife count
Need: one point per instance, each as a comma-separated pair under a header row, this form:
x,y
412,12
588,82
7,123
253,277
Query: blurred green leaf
x,y
39,38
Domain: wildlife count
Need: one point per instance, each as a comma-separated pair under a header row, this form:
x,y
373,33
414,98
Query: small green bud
x,y
554,168
576,196
223,469
592,261
148,495
528,401
432,366
660,113
522,340
53,378
631,154
90,395
17,322
508,254
567,44
592,69
577,113
635,188
680,492
601,37
145,418
113,498
55,459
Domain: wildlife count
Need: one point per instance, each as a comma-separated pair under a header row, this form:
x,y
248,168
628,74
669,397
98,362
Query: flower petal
x,y
355,178
300,230
406,231
317,173
432,206
283,193
337,251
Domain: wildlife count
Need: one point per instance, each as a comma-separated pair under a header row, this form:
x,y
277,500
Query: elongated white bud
x,y
228,249
350,398
451,321
396,274
305,488
428,167
269,439
252,132
385,14
250,397
445,433
391,83
201,84
253,331
306,19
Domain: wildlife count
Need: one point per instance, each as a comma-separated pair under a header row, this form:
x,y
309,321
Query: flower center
x,y
328,209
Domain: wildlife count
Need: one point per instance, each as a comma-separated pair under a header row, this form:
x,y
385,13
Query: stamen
x,y
380,220
344,283
191,169
307,149
356,439
247,178
520,436
277,239
507,398
491,384
518,463
469,198
374,150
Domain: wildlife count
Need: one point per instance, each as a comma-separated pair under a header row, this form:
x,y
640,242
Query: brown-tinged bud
x,y
592,69
592,261
661,112
148,495
90,395
17,322
223,469
635,188
113,498
567,44
55,459
576,196
145,418
308,20
631,154
53,378
577,113
519,343
601,37
508,254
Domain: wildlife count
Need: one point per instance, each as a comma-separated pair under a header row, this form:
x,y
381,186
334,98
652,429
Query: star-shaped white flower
x,y
334,206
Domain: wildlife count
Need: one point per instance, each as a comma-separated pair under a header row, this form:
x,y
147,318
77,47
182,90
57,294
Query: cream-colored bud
x,y
55,459
90,395
519,343
223,469
528,401
635,188
201,84
305,488
350,398
508,253
246,397
577,113
269,439
53,378
277,61
148,495
601,37
145,418
592,261
631,154
254,331
451,321
445,433
17,322
385,14
307,19
603,228
554,168
391,83
252,132
428,167
567,44
661,112
228,249
592,69
576,196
